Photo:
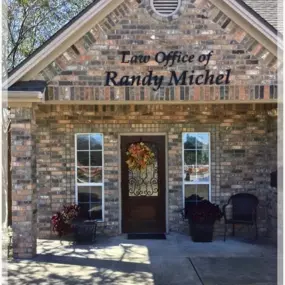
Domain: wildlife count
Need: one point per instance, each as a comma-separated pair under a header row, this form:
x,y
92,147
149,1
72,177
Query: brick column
x,y
23,162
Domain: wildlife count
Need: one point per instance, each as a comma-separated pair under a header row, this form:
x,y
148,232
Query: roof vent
x,y
165,8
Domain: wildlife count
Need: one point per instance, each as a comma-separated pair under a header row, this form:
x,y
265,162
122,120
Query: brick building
x,y
196,81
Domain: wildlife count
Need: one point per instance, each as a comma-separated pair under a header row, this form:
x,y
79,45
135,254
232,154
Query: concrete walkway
x,y
175,261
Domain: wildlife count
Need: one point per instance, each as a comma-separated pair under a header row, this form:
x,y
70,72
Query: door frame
x,y
120,174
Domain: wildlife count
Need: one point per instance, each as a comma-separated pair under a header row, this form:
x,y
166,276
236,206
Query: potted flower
x,y
61,221
203,217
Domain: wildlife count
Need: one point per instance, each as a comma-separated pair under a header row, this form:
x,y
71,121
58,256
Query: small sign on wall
x,y
168,60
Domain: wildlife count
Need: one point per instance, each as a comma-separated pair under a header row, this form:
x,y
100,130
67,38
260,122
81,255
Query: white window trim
x,y
91,183
210,171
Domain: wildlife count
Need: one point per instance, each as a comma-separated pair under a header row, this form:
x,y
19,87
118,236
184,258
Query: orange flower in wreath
x,y
139,156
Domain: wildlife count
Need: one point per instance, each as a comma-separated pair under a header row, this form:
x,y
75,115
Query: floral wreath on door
x,y
139,156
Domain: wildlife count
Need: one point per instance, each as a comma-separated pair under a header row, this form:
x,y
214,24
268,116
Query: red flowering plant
x,y
205,212
139,156
61,221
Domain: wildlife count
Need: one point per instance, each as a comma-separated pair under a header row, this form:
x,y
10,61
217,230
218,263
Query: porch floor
x,y
176,260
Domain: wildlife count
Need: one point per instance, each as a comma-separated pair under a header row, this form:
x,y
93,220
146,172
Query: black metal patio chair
x,y
244,211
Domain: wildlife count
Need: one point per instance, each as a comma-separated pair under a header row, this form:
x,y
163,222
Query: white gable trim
x,y
255,22
61,43
250,24
25,97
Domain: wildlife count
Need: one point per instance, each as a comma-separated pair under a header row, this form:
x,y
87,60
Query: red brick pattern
x,y
243,153
204,94
24,218
198,27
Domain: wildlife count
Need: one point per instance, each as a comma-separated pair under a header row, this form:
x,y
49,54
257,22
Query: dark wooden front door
x,y
143,192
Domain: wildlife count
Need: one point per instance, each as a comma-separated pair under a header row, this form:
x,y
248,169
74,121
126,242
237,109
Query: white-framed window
x,y
196,165
89,175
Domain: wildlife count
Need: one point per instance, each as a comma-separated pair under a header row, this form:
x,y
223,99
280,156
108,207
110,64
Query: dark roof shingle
x,y
269,10
33,85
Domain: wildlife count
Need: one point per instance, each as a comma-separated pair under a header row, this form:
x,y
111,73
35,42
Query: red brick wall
x,y
242,153
199,27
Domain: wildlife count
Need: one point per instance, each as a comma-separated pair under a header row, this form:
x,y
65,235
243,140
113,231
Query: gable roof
x,y
269,10
55,35
74,29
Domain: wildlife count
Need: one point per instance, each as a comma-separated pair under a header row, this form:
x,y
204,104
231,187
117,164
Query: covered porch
x,y
243,154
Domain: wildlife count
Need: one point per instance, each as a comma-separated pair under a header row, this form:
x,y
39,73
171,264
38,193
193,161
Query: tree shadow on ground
x,y
120,261
47,268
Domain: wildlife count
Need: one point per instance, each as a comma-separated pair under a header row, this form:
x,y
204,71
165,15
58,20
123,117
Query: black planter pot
x,y
84,232
202,232
190,227
190,206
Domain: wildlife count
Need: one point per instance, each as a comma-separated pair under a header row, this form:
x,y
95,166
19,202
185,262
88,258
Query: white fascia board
x,y
255,22
25,96
250,24
58,41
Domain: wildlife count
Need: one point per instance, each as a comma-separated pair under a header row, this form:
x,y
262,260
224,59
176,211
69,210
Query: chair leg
x,y
233,230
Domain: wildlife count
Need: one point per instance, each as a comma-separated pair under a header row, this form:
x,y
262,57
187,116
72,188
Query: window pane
x,y
203,174
189,141
83,194
202,141
202,157
83,174
95,141
89,153
96,174
96,158
190,157
190,173
83,158
96,193
96,211
83,142
84,211
201,190
90,211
